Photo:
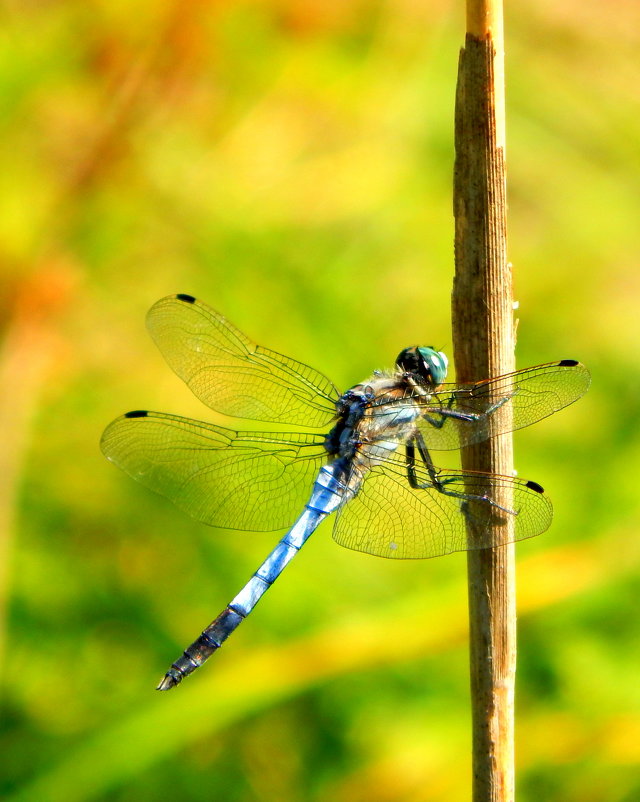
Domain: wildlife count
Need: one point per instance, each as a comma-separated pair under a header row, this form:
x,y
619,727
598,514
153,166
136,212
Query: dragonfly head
x,y
430,365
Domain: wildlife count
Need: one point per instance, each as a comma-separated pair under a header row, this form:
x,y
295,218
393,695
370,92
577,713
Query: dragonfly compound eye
x,y
424,361
434,364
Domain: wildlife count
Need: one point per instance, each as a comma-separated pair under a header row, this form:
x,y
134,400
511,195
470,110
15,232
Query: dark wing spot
x,y
189,299
535,486
568,363
137,413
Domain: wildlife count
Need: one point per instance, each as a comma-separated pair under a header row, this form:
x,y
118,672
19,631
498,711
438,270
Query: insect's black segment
x,y
136,413
410,455
189,299
535,486
426,457
568,363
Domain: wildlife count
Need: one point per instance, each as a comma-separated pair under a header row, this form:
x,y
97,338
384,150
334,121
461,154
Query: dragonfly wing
x,y
388,518
461,414
231,374
236,480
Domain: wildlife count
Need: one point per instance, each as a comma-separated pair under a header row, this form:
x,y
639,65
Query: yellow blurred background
x,y
290,163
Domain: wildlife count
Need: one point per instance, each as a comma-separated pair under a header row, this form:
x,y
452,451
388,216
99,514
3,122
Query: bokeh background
x,y
290,162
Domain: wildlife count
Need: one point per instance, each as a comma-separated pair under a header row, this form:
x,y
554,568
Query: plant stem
x,y
484,339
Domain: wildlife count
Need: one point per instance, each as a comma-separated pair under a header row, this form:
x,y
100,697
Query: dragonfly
x,y
363,456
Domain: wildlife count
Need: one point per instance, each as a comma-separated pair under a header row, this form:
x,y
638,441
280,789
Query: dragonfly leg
x,y
437,483
447,412
444,412
410,454
490,410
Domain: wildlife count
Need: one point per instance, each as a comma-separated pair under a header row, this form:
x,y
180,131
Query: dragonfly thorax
x,y
383,408
423,361
350,409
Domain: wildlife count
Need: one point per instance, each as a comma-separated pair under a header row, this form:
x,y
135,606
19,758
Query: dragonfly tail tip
x,y
167,682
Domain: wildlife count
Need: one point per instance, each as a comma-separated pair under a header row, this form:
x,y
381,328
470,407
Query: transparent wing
x,y
236,480
388,518
231,374
461,414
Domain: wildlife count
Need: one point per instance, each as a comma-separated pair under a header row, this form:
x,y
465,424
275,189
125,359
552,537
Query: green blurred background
x,y
290,162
